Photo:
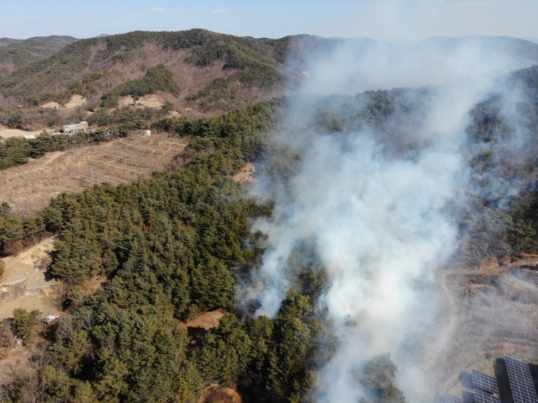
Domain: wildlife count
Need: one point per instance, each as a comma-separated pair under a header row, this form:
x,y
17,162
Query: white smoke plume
x,y
380,221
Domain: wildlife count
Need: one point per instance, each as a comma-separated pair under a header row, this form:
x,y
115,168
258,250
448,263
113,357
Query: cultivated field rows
x,y
30,187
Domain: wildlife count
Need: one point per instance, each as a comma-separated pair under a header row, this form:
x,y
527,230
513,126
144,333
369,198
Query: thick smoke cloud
x,y
382,221
364,65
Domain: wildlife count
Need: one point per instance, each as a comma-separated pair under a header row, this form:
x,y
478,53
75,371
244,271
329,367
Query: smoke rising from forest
x,y
379,207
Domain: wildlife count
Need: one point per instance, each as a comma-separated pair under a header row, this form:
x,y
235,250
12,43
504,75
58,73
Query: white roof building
x,y
76,128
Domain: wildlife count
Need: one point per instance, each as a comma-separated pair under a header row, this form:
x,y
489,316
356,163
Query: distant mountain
x,y
210,70
195,71
7,41
517,49
17,53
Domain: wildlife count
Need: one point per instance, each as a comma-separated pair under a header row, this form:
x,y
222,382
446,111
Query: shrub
x,y
23,324
156,79
14,121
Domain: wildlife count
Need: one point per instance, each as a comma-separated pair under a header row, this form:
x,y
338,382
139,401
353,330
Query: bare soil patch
x,y
152,101
76,101
30,187
51,105
24,285
205,321
492,311
245,174
6,133
219,394
126,101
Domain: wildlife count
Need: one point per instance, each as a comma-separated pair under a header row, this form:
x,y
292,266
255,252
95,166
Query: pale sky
x,y
382,19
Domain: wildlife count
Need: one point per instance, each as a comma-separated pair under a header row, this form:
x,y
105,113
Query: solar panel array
x,y
484,382
480,396
521,382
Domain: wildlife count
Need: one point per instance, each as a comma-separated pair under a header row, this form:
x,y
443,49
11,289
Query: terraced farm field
x,y
29,188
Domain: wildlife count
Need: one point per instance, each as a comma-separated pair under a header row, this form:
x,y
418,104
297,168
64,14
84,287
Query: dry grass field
x,y
30,187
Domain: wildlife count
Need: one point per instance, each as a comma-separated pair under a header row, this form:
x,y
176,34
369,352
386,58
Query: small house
x,y
76,128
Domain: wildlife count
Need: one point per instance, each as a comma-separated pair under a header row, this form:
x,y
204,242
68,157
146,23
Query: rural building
x,y
76,128
143,133
514,382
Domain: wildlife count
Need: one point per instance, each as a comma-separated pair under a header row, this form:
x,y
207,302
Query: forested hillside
x,y
16,53
163,250
179,244
193,73
170,247
204,66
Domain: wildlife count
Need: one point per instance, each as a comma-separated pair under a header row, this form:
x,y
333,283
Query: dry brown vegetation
x,y
90,286
190,79
212,73
245,174
30,187
205,321
218,394
14,362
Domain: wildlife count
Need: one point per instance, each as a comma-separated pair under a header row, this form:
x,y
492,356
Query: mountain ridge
x,y
17,53
211,72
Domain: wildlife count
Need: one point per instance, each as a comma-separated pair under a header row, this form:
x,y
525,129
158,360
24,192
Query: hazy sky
x,y
386,19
